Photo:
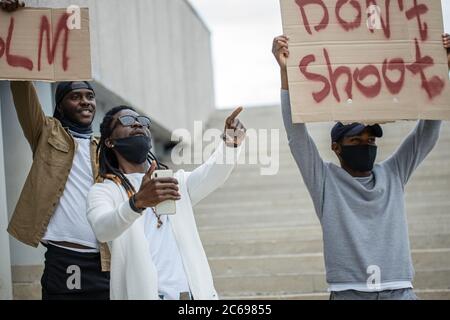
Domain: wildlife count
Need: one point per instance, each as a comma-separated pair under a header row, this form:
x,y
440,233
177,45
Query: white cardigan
x,y
133,273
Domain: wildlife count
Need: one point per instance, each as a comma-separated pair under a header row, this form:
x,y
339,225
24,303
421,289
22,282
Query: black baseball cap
x,y
65,87
340,130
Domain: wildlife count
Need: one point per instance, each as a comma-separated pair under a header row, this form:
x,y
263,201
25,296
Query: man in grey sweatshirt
x,y
360,205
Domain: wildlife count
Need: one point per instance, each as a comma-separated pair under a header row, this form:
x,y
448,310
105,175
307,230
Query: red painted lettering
x,y
385,24
325,20
369,79
334,77
432,87
349,25
322,94
359,76
51,48
398,64
415,12
15,60
368,91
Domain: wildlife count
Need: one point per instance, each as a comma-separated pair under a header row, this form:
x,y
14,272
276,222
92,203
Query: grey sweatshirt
x,y
363,219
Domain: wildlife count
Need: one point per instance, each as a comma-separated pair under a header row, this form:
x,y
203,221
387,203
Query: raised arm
x,y
446,40
212,174
26,101
29,111
216,170
305,153
301,144
417,145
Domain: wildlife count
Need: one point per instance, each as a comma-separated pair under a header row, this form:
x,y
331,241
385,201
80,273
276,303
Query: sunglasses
x,y
129,120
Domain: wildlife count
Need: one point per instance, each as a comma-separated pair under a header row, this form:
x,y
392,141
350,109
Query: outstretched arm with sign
x,y
446,39
26,101
419,142
302,146
29,111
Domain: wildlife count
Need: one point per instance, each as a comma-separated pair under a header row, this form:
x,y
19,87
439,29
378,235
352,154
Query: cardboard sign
x,y
45,44
366,60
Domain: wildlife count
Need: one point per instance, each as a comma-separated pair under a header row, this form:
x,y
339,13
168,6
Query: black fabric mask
x,y
76,128
134,149
359,158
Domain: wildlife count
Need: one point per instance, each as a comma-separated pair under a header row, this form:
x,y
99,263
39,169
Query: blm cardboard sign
x,y
45,44
366,60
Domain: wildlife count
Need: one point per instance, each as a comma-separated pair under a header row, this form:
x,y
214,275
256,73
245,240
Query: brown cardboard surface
x,y
423,95
41,47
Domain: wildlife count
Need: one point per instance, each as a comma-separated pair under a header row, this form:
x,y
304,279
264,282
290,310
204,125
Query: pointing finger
x,y
233,116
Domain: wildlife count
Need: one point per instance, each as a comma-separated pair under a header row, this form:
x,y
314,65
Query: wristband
x,y
133,205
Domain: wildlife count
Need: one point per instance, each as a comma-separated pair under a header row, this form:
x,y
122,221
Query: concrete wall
x,y
5,264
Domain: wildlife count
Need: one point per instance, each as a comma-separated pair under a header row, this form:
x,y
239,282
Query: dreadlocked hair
x,y
107,160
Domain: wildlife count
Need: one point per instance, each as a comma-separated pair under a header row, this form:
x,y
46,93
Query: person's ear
x,y
336,147
108,143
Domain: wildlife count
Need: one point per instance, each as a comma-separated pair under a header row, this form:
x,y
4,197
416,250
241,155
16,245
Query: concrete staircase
x,y
263,239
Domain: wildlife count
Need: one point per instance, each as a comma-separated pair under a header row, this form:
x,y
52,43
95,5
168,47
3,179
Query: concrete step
x,y
292,180
299,209
300,206
23,274
266,140
263,218
250,285
237,247
429,259
251,159
275,204
289,218
254,150
286,164
27,291
32,291
421,294
294,233
417,192
302,199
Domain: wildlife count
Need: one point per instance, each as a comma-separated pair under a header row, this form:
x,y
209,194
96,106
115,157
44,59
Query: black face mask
x,y
75,127
134,149
359,158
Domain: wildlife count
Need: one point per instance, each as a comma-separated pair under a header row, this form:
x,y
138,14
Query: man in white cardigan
x,y
152,256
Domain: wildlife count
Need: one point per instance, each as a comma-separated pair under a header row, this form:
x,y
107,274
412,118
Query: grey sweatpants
x,y
400,294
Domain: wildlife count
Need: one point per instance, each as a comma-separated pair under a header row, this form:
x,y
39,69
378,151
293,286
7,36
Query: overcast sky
x,y
242,32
